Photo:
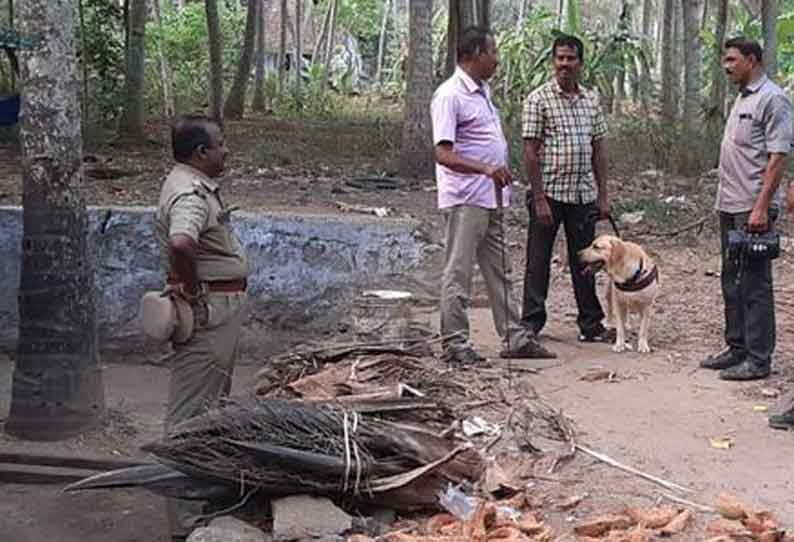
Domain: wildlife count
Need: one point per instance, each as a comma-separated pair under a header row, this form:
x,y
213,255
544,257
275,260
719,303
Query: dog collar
x,y
635,283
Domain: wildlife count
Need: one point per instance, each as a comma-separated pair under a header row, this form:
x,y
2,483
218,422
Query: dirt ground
x,y
658,414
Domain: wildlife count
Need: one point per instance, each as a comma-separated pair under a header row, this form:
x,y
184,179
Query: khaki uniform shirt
x,y
761,122
190,204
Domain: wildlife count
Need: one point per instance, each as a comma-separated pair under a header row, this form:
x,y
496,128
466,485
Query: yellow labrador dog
x,y
633,285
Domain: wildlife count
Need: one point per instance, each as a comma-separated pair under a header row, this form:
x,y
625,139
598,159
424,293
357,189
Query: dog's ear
x,y
617,251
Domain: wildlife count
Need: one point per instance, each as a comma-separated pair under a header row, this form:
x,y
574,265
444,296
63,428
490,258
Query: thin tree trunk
x,y
57,384
692,60
667,74
298,46
678,44
769,13
646,84
416,158
321,36
235,101
83,59
483,13
716,115
329,44
453,32
259,82
216,60
560,12
165,72
282,44
11,25
705,17
132,117
384,24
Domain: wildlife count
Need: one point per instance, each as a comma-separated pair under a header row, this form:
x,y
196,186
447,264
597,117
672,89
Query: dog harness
x,y
638,282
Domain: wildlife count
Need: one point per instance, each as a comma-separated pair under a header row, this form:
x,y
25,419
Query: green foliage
x,y
103,56
184,38
362,19
311,101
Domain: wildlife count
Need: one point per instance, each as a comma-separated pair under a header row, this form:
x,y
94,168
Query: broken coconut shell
x,y
760,522
729,507
735,532
601,525
652,518
772,536
677,524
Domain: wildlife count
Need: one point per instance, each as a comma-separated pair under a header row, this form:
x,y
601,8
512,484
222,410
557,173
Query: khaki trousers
x,y
201,373
473,234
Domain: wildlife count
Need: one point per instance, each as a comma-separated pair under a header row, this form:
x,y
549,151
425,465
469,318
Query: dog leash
x,y
596,216
501,214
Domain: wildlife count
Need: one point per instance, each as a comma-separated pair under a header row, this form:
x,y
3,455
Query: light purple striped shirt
x,y
464,115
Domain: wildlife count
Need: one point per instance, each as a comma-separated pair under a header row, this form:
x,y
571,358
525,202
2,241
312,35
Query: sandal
x,y
600,335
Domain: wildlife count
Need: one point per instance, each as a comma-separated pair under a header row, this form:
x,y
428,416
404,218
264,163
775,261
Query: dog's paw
x,y
619,347
643,348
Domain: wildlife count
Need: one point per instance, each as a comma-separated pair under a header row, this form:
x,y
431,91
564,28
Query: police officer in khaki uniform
x,y
207,267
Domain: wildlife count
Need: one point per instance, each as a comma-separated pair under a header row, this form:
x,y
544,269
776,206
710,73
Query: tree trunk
x,y
282,44
235,102
165,71
716,115
678,44
259,81
692,60
329,44
560,13
416,158
132,117
317,51
216,60
646,83
769,13
83,58
667,74
453,31
384,25
298,46
461,15
57,384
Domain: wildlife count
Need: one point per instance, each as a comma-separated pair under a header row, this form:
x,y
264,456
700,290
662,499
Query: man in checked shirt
x,y
563,131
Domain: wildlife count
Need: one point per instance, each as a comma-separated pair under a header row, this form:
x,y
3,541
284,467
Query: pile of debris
x,y
740,524
272,448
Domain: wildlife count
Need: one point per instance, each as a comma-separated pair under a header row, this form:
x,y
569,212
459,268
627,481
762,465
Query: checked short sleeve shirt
x,y
566,126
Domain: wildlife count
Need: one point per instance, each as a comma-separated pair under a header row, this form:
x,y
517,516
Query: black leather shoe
x,y
532,349
784,420
746,370
725,359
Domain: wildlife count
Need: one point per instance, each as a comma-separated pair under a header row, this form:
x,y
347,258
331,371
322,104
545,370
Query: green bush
x,y
185,39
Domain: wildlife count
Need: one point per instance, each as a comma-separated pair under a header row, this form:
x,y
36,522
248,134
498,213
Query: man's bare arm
x,y
182,255
447,157
532,163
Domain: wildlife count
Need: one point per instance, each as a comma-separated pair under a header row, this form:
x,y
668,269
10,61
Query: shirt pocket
x,y
746,127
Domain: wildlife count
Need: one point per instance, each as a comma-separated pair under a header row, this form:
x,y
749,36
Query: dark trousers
x,y
579,233
748,296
